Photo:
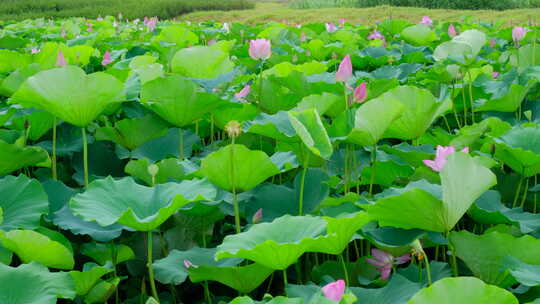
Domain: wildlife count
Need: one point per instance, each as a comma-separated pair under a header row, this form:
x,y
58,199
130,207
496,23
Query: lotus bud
x,y
35,50
334,291
188,264
106,59
427,21
233,128
303,37
495,74
360,93
493,42
330,27
153,170
518,33
257,216
452,31
260,49
345,71
60,59
243,93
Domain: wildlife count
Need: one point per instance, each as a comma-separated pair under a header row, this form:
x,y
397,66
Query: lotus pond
x,y
164,162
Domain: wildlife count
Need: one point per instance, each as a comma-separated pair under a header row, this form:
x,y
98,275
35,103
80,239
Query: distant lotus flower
x,y
243,93
303,37
35,50
99,18
427,21
360,93
106,59
375,35
260,49
226,27
115,24
136,21
452,31
342,21
188,264
89,27
440,157
257,216
495,74
345,71
384,262
335,290
151,23
60,60
330,27
518,33
493,42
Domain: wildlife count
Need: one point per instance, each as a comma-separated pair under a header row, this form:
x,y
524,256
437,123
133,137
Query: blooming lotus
x,y
60,59
243,93
440,157
360,93
151,23
335,290
427,21
518,33
344,72
35,50
384,262
260,49
452,31
330,27
106,59
375,35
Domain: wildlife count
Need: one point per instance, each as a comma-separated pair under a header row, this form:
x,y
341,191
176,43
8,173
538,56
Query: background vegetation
x,y
25,9
445,4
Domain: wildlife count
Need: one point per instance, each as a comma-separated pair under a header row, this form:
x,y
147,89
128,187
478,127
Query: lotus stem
x,y
85,156
345,272
235,198
428,269
115,273
181,145
453,258
373,169
302,185
285,283
464,99
207,294
151,267
454,106
270,283
534,195
471,95
260,81
516,196
53,165
524,197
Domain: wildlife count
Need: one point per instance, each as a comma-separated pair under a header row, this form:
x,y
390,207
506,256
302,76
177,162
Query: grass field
x,y
279,12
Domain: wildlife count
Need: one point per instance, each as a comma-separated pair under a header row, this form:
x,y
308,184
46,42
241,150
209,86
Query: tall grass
x,y
26,9
446,4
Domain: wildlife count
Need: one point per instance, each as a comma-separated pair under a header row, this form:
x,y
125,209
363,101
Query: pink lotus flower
x,y
440,157
99,18
188,264
375,35
60,59
260,49
35,50
493,42
427,21
334,291
150,23
243,93
518,33
342,21
452,31
106,59
384,262
89,27
345,71
495,74
360,93
257,216
330,27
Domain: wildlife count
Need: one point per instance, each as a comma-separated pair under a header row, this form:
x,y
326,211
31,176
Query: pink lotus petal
x,y
495,74
335,290
360,93
60,60
518,33
402,259
426,20
330,27
243,93
106,59
452,31
375,35
465,150
260,49
375,262
344,72
257,216
385,273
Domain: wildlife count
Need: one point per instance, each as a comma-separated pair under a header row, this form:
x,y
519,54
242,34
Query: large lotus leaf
x,y
509,102
178,100
104,253
22,202
123,201
14,157
421,108
276,126
132,133
33,283
165,146
469,42
398,291
12,60
419,34
340,231
36,122
31,246
526,274
484,254
70,94
463,290
103,291
420,206
178,35
250,168
322,103
86,279
276,245
168,169
201,62
11,83
519,148
372,119
309,128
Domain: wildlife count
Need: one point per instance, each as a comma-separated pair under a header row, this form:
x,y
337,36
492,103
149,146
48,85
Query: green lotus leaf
x,y
70,94
37,122
103,253
23,203
526,274
276,300
509,102
239,111
250,168
470,42
484,254
413,155
201,62
5,255
123,201
88,278
421,109
33,283
283,69
12,60
398,291
166,146
178,100
419,34
420,204
276,126
519,148
132,133
14,157
462,290
102,291
170,168
322,103
340,231
372,119
276,245
11,83
31,246
309,128
178,35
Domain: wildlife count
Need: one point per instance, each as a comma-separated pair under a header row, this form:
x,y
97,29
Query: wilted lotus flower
x,y
60,59
384,261
440,157
243,93
35,50
427,21
518,33
375,35
257,216
330,27
106,59
334,291
233,128
495,74
308,53
452,31
345,71
188,264
360,93
260,49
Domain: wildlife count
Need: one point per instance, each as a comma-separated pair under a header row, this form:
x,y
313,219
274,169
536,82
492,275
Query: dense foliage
x,y
163,162
444,4
26,9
